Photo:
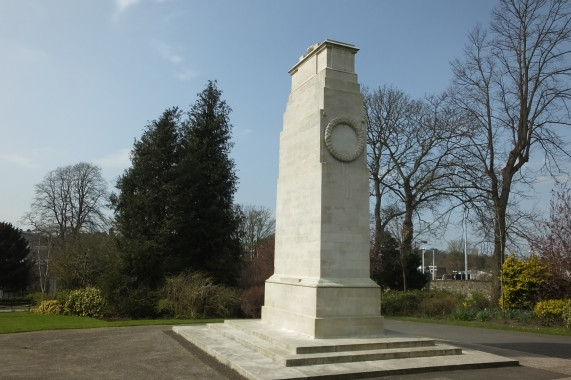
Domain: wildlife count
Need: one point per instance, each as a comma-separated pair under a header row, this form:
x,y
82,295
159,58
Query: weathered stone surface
x,y
321,285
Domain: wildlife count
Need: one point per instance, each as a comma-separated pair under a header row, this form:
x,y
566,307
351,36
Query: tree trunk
x,y
499,244
378,222
406,245
500,210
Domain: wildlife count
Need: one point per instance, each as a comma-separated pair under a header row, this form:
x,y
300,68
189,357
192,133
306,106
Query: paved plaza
x,y
154,352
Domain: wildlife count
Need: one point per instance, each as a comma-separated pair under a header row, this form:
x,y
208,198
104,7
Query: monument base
x,y
323,308
323,328
258,351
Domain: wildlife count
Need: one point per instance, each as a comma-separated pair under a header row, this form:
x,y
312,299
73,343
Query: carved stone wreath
x,y
348,154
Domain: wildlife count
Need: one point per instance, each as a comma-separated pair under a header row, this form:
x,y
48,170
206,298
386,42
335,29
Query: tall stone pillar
x,y
321,285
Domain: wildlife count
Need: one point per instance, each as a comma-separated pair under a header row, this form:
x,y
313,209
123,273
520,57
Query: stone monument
x,y
321,285
321,317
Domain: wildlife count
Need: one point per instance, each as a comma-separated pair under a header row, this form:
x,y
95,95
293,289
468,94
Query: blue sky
x,y
79,79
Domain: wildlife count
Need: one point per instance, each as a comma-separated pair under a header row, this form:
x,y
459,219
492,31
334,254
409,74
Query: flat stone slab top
x,y
258,351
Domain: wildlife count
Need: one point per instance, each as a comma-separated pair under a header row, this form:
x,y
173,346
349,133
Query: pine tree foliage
x,y
14,268
175,209
211,224
144,209
387,268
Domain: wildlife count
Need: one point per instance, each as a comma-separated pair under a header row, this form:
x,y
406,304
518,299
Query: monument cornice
x,y
319,47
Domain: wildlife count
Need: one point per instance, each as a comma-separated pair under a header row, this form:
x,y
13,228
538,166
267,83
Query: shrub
x,y
483,315
478,301
195,295
252,301
86,302
522,281
37,298
126,300
550,310
49,307
163,308
463,314
62,296
524,316
566,314
401,303
438,304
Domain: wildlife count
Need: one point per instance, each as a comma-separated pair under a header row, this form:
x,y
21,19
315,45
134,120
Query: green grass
x,y
23,321
505,325
15,322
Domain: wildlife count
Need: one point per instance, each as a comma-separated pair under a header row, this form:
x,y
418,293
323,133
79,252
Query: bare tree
x,y
71,199
554,242
42,247
410,145
257,224
513,86
455,257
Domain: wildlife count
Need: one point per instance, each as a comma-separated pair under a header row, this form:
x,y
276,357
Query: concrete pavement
x,y
541,356
154,352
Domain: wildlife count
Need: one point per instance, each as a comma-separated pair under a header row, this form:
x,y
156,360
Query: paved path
x,y
541,356
151,352
154,352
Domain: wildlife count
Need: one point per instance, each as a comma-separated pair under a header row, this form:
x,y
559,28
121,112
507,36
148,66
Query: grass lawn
x,y
13,322
506,325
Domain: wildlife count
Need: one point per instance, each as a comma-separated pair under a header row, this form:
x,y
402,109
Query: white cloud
x,y
17,160
166,51
123,5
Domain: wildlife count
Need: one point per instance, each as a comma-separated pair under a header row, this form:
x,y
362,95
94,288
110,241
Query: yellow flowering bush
x,y
550,309
566,314
86,302
49,307
522,281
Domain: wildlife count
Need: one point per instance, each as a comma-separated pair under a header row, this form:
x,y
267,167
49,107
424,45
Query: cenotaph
x,y
321,317
321,285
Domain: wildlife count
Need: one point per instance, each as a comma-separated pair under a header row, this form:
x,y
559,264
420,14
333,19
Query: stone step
x,y
337,350
370,355
297,345
249,341
256,366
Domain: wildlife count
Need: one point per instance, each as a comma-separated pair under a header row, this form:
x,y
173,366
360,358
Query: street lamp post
x,y
433,267
465,244
423,250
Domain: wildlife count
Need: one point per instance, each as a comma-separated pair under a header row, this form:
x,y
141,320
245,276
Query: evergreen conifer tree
x,y
175,210
145,209
388,271
209,223
14,268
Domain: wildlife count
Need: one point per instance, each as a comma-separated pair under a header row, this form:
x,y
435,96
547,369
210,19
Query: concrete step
x,y
249,341
332,351
300,345
361,356
256,366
